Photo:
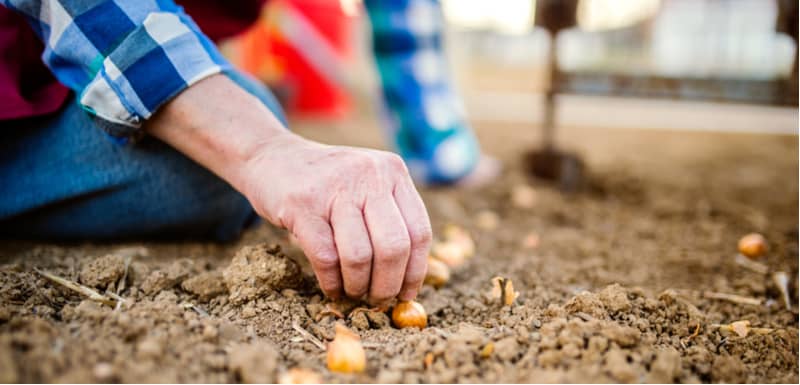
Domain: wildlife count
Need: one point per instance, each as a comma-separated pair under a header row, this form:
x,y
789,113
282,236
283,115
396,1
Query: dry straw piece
x,y
740,328
88,292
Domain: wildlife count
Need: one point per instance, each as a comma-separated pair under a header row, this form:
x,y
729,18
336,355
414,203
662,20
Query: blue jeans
x,y
63,178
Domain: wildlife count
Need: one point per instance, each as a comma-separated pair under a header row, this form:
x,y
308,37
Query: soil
x,y
614,282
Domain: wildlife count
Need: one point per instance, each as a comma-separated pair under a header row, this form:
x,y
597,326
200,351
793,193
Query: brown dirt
x,y
611,290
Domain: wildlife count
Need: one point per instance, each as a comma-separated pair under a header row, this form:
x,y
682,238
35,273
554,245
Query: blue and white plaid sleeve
x,y
123,58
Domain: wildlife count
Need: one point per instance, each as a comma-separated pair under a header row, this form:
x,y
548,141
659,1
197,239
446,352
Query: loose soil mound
x,y
616,284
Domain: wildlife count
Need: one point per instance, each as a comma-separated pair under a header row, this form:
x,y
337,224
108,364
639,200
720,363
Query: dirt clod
x,y
614,290
506,349
615,298
8,371
102,271
666,367
379,319
618,366
587,303
728,369
205,285
258,270
255,363
359,320
173,275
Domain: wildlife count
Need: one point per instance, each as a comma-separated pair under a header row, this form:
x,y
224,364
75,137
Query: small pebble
x,y
248,312
103,372
523,196
487,220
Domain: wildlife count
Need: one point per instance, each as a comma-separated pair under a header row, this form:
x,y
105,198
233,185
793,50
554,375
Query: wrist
x,y
219,125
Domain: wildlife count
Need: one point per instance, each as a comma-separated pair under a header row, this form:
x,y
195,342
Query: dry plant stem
x,y
584,316
759,331
732,298
91,294
696,332
117,298
753,266
124,279
781,280
308,336
197,309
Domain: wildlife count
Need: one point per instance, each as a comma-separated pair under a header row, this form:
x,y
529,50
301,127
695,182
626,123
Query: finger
x,y
415,215
316,239
354,247
390,247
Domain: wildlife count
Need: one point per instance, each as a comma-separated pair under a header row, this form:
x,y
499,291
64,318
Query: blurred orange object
x,y
300,48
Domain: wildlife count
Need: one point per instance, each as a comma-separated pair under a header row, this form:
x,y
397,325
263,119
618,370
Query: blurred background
x,y
720,65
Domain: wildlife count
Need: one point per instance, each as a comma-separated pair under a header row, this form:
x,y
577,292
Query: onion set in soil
x,y
753,245
409,314
345,353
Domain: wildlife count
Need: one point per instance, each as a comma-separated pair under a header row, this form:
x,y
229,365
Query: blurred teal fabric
x,y
423,112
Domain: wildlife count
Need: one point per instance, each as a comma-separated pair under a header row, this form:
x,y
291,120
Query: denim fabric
x,y
62,178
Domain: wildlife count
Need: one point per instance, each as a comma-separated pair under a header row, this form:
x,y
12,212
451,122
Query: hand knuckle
x,y
395,248
360,257
395,162
364,164
326,260
421,235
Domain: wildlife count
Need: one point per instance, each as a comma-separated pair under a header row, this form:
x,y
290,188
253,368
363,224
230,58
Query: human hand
x,y
355,213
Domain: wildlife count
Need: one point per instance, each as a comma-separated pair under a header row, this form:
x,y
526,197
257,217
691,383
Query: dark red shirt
x,y
27,88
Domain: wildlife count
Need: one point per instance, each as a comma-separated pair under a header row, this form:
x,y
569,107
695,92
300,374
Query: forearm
x,y
219,125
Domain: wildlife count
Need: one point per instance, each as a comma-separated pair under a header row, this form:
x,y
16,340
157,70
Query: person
x,y
192,147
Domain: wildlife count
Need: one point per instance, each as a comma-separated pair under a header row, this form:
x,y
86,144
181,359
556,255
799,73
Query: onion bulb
x,y
409,314
345,353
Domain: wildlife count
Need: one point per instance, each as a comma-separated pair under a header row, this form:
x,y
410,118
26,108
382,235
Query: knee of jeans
x,y
235,215
209,208
260,91
181,199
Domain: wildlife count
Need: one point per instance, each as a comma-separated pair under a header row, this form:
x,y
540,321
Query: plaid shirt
x,y
424,113
124,58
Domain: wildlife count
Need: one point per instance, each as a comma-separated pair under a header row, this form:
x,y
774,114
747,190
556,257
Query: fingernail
x,y
408,295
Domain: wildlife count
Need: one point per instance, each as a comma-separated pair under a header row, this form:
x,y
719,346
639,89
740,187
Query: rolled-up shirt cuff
x,y
154,63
